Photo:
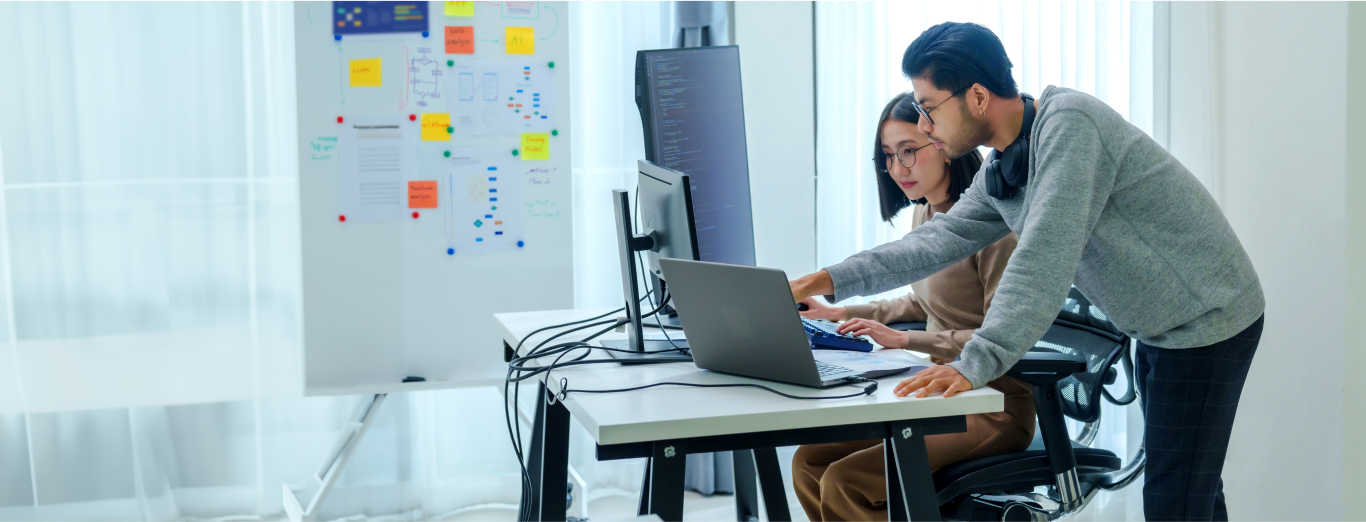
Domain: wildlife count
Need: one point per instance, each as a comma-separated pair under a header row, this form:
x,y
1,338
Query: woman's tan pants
x,y
847,481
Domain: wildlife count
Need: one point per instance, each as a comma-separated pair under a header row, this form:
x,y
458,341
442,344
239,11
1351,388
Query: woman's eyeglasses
x,y
907,152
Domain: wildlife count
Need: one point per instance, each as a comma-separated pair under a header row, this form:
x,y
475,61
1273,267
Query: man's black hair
x,y
953,56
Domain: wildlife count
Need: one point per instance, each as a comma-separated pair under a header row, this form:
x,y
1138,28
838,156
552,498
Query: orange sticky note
x,y
436,127
535,146
520,40
459,39
459,8
421,194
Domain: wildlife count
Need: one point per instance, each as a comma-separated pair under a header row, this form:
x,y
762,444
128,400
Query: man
x,y
1100,205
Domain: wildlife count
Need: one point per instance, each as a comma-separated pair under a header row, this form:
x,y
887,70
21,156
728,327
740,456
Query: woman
x,y
846,480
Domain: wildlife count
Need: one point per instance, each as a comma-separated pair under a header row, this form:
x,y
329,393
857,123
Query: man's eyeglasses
x,y
907,152
925,113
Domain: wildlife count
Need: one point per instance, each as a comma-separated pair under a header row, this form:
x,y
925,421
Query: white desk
x,y
665,423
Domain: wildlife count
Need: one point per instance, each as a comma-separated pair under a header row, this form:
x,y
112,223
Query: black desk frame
x,y
907,462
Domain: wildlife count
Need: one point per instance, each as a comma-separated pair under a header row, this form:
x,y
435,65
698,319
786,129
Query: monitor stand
x,y
635,357
628,244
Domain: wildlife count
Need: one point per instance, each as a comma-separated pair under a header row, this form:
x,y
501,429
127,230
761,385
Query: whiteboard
x,y
384,300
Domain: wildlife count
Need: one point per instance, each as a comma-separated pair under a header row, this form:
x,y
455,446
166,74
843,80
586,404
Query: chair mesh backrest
x,y
1083,330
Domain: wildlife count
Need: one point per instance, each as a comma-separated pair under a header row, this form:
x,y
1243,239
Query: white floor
x,y
696,508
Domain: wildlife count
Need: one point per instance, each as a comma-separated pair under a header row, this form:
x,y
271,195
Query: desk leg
x,y
644,508
746,494
554,462
533,457
910,486
666,479
771,482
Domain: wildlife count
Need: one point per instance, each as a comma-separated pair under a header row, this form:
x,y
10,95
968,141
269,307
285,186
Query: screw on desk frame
x,y
906,433
669,451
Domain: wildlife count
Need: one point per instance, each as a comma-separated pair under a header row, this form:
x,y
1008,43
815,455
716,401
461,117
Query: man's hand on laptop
x,y
817,309
933,379
818,283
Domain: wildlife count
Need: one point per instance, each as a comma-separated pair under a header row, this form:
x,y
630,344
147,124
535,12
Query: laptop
x,y
742,320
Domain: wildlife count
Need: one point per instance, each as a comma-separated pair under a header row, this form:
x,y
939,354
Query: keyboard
x,y
822,335
827,369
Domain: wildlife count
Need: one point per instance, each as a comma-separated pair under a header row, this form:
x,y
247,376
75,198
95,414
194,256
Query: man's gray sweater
x,y
1106,209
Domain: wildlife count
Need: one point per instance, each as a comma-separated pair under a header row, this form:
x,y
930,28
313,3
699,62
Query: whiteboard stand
x,y
335,461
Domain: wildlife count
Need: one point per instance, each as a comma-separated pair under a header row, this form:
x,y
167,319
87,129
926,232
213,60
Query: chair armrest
x,y
1042,367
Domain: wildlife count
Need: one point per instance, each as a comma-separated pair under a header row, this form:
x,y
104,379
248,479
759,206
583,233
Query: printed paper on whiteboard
x,y
376,156
501,97
484,187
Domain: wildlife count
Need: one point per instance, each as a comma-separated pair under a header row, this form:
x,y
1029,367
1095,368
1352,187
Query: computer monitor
x,y
692,112
664,205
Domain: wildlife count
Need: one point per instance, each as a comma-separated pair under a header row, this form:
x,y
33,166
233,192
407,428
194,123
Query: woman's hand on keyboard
x,y
817,309
880,333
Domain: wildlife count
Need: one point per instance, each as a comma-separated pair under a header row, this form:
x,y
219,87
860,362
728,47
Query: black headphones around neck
x,y
1008,170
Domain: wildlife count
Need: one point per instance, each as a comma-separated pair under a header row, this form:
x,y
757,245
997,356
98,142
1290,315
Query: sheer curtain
x,y
1102,48
148,221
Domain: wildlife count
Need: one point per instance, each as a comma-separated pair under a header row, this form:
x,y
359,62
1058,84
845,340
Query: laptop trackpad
x,y
867,365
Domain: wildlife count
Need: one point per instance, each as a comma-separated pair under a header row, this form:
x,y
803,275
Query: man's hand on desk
x,y
933,379
818,283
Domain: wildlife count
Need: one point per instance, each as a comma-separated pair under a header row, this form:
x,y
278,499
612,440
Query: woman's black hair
x,y
890,195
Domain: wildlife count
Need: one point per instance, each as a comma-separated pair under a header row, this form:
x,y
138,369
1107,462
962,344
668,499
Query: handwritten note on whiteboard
x,y
459,39
520,40
535,146
459,8
366,73
436,127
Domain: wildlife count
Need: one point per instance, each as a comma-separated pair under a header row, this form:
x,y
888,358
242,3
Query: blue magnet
x,y
520,244
336,37
450,251
424,34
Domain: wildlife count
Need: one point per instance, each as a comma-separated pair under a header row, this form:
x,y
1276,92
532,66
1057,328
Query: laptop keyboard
x,y
827,370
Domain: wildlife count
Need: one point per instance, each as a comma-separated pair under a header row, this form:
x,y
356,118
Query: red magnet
x,y
412,117
339,119
341,218
414,215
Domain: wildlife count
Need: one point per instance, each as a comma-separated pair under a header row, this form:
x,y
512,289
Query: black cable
x,y
867,390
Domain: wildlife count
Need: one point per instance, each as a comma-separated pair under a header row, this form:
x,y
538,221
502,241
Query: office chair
x,y
1068,370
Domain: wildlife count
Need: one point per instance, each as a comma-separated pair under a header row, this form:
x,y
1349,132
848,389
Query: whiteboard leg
x,y
335,461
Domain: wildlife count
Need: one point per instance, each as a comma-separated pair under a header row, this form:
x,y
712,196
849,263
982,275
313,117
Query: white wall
x,y
1354,428
777,68
1268,82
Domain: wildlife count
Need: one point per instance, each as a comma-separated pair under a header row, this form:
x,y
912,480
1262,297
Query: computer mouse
x,y
801,307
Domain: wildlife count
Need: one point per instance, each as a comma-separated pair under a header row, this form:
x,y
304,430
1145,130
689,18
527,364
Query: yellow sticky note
x,y
366,72
520,40
535,146
459,8
436,127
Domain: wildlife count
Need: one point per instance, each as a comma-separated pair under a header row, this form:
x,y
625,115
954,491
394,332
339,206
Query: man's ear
x,y
978,98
